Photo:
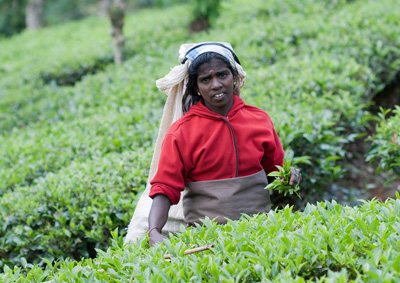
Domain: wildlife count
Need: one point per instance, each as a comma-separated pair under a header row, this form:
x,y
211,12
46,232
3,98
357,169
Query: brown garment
x,y
226,198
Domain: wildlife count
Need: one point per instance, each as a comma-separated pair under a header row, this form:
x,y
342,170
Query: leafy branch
x,y
282,179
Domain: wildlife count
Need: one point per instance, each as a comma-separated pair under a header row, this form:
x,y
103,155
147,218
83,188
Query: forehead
x,y
215,65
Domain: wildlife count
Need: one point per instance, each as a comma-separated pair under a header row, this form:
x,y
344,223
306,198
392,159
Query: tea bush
x,y
386,142
326,242
44,163
204,12
75,153
71,212
328,61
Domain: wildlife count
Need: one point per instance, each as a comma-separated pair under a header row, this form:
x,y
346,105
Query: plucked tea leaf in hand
x,y
282,179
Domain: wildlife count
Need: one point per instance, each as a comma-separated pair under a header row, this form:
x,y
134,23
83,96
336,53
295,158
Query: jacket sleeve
x,y
169,179
273,151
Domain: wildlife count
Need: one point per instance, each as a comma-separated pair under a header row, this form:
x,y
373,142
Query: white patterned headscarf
x,y
174,83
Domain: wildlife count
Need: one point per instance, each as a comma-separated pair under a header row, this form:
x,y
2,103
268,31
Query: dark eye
x,y
223,75
205,80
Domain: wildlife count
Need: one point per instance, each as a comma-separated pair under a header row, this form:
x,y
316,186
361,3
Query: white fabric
x,y
174,85
139,222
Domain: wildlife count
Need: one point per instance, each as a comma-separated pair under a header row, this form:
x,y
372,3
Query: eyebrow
x,y
215,73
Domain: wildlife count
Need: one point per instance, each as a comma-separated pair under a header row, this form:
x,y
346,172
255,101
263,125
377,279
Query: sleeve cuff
x,y
173,195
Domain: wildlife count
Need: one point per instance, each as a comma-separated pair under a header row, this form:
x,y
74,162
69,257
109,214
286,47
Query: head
x,y
192,59
206,69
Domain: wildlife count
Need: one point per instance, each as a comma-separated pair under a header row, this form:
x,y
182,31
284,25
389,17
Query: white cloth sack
x,y
139,222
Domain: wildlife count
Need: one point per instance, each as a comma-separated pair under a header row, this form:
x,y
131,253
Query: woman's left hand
x,y
295,176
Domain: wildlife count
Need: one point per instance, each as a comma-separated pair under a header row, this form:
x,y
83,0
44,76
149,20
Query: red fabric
x,y
200,147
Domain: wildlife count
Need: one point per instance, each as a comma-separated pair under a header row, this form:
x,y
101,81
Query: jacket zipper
x,y
234,142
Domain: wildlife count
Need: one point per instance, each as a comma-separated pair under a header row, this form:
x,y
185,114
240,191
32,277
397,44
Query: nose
x,y
215,83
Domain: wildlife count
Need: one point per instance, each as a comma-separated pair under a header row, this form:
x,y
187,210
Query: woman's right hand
x,y
155,237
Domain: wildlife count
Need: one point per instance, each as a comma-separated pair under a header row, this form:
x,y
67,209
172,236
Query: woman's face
x,y
215,84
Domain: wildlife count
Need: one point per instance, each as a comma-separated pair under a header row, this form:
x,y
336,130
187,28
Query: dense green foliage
x,y
326,242
12,17
386,142
55,12
76,133
204,12
61,11
12,13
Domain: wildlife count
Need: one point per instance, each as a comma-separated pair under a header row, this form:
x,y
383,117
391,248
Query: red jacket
x,y
204,145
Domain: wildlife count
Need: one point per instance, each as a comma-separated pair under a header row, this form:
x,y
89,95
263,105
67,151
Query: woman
x,y
220,151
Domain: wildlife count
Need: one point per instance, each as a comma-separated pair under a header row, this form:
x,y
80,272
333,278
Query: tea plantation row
x,y
326,242
74,154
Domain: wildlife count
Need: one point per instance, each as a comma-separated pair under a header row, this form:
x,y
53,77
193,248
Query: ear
x,y
236,89
235,81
